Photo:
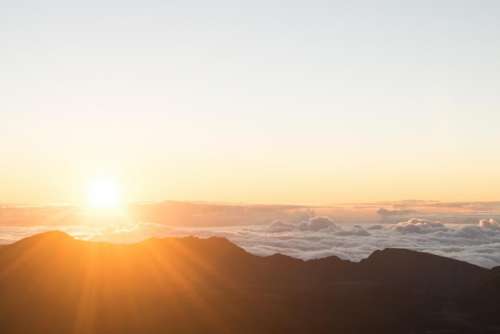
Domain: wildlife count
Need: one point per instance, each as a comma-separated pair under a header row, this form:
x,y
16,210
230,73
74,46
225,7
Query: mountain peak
x,y
50,236
414,257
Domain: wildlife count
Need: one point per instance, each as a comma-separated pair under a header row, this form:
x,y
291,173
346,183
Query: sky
x,y
255,101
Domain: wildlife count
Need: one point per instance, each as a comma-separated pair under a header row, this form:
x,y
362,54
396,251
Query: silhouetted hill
x,y
423,270
52,283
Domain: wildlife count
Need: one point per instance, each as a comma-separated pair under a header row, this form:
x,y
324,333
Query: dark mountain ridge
x,y
52,283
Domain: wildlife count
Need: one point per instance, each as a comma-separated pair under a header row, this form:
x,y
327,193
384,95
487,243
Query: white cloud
x,y
317,224
278,226
421,226
356,230
489,224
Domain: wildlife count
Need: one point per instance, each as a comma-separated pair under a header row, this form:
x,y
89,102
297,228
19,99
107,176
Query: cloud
x,y
315,237
318,224
489,224
478,244
375,227
278,226
356,230
470,232
420,226
390,213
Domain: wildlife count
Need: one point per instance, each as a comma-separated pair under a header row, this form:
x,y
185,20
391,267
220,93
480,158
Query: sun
x,y
104,193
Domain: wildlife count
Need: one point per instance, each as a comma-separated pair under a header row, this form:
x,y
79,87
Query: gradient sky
x,y
255,101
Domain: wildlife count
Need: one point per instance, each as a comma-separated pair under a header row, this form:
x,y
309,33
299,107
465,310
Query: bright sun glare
x,y
103,193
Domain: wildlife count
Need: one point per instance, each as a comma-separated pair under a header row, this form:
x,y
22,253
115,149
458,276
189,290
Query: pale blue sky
x,y
323,94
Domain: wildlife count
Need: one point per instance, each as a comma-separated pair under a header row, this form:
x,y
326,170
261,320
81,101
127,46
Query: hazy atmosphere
x,y
324,102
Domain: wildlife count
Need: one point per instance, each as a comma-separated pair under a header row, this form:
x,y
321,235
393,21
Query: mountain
x,y
52,283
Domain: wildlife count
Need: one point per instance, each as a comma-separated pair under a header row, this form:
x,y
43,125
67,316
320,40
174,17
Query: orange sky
x,y
315,104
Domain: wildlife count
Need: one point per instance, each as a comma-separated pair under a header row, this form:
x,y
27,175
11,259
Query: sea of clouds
x,y
314,237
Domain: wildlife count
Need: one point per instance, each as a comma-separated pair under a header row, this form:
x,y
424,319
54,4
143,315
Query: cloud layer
x,y
314,237
320,236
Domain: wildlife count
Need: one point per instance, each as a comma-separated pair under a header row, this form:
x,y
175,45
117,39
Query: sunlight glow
x,y
103,193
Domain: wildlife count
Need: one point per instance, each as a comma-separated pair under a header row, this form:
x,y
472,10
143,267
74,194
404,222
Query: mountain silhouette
x,y
53,283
